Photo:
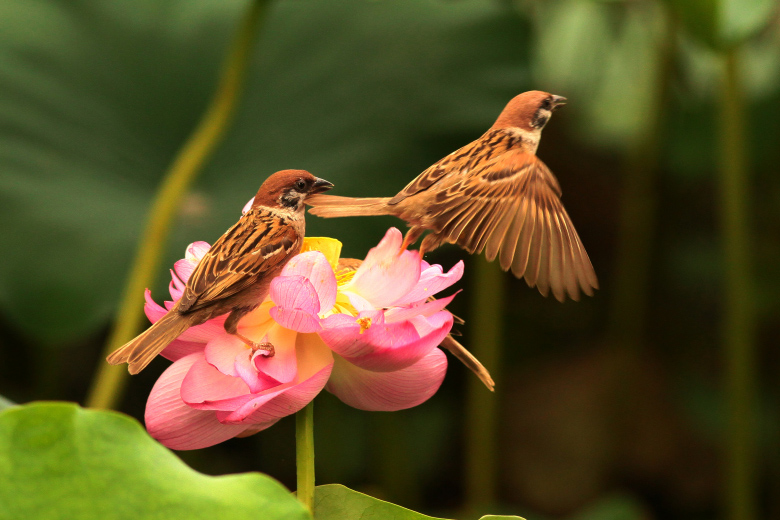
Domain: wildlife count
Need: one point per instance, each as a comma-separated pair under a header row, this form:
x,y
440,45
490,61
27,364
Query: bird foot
x,y
404,246
410,238
267,348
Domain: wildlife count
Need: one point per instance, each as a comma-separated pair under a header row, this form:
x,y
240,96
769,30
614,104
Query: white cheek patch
x,y
542,117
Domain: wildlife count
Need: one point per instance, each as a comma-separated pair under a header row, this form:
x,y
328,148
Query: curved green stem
x,y
304,455
109,381
739,317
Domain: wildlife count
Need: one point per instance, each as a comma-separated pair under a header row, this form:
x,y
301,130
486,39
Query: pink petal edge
x,y
382,346
388,391
387,273
313,266
432,281
176,425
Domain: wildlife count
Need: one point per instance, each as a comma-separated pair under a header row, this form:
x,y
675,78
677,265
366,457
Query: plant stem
x,y
486,322
109,381
739,319
304,455
395,460
637,222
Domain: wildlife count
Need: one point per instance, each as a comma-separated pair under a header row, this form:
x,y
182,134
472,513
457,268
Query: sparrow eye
x,y
300,185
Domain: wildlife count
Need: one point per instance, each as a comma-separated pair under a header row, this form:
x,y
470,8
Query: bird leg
x,y
411,237
265,346
231,327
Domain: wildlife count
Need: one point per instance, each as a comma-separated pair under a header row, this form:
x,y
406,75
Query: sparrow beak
x,y
558,101
319,186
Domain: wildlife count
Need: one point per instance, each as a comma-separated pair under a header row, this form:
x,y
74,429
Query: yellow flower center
x,y
331,248
344,277
365,324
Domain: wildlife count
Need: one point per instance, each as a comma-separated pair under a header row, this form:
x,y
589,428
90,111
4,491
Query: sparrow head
x,y
529,111
289,188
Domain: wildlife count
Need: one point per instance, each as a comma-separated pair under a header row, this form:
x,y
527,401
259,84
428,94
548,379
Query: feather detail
x,y
141,350
468,359
329,206
493,195
234,275
244,254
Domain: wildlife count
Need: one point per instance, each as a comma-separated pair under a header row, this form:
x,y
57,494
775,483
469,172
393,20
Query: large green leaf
x,y
336,502
96,97
61,461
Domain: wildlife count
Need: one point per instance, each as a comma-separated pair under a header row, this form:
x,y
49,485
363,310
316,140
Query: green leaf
x,y
337,502
61,461
95,102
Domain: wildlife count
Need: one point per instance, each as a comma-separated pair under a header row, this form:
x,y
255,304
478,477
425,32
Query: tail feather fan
x,y
140,351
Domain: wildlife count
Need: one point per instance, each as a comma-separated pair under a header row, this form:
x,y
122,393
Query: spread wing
x,y
492,144
240,257
510,207
424,181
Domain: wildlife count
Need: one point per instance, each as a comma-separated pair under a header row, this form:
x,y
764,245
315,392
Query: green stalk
x,y
394,460
109,381
304,455
637,222
486,324
738,318
630,295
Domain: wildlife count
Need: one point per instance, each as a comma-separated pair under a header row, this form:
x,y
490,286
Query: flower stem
x,y
304,455
486,320
739,317
109,381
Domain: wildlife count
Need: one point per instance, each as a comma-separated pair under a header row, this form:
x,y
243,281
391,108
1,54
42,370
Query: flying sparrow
x,y
347,265
495,195
235,275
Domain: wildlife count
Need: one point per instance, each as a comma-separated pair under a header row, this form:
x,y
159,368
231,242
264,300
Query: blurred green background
x,y
613,407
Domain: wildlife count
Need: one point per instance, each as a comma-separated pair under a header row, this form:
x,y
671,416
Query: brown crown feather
x,y
520,111
268,194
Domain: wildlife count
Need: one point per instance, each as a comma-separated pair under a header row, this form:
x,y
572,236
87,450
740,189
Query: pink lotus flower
x,y
367,336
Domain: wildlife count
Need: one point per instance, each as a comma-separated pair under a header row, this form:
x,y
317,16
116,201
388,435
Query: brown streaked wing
x,y
509,239
583,268
453,164
511,205
237,259
557,258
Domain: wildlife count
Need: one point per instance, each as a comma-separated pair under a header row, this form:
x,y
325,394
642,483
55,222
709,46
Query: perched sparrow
x,y
347,265
235,275
493,194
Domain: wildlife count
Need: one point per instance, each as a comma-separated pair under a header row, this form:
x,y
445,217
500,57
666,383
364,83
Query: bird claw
x,y
266,348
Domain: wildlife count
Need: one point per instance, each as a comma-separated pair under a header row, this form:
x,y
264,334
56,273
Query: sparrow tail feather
x,y
468,359
139,352
329,206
